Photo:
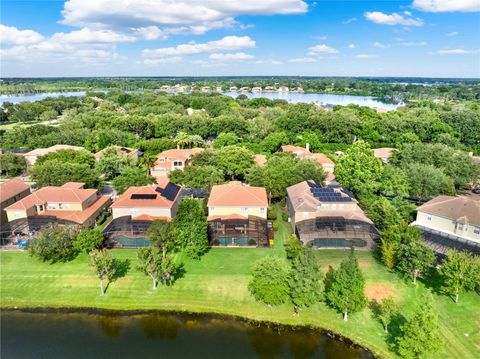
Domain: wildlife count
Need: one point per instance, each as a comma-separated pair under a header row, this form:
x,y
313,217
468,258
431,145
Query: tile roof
x,y
237,194
177,154
43,151
147,217
260,160
384,152
127,151
459,208
74,185
226,217
79,217
303,153
126,201
11,188
53,194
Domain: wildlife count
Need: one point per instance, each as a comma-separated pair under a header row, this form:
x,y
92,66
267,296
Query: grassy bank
x,y
218,283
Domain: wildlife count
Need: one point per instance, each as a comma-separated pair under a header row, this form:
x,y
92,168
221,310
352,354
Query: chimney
x,y
307,146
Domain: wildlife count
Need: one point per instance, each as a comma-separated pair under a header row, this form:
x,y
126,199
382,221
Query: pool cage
x,y
251,231
336,232
124,232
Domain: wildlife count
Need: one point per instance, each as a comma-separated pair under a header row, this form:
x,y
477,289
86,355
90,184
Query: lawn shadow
x,y
395,331
178,273
433,282
121,269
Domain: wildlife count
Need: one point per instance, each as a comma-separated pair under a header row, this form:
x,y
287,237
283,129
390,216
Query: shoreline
x,y
192,313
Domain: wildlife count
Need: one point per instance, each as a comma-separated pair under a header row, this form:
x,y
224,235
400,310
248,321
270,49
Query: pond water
x,y
324,99
159,335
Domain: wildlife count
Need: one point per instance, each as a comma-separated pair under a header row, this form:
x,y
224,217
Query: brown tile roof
x,y
43,151
303,153
53,194
323,159
384,152
458,208
11,188
177,154
237,194
127,151
147,217
79,217
125,200
260,159
226,217
74,185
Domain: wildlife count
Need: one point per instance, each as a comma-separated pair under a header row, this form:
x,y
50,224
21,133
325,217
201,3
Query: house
x,y
233,89
206,89
283,89
31,157
11,191
237,215
256,89
269,89
170,160
328,217
451,222
125,151
68,204
136,208
191,111
260,160
384,153
244,89
218,89
304,153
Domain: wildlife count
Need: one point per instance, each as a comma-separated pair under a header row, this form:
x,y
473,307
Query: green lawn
x,y
218,283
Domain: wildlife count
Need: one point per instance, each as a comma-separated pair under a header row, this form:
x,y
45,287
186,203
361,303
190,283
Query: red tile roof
x,y
303,153
74,185
236,194
11,188
226,217
125,200
384,152
260,159
147,217
177,154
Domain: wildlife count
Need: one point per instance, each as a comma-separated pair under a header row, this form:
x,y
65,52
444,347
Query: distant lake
x,y
292,97
159,335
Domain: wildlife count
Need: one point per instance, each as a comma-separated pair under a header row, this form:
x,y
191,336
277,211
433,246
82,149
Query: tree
x,y
344,288
459,273
393,237
293,247
88,240
157,264
225,139
197,177
54,244
57,173
420,335
427,181
414,258
12,165
131,176
385,311
304,280
235,161
113,161
269,281
383,213
191,227
162,235
104,266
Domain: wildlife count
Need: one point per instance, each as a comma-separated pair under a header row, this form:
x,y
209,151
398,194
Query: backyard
x,y
218,283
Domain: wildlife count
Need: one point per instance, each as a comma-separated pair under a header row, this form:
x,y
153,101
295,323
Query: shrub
x,y
271,214
269,282
55,244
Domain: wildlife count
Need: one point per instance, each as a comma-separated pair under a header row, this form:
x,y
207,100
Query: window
x,y
40,208
460,226
177,163
134,209
324,205
59,206
476,230
244,210
429,217
262,210
212,209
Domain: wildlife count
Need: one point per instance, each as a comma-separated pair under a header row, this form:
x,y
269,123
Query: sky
x,y
410,38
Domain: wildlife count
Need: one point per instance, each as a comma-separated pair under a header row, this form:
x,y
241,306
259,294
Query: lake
x,y
159,335
342,100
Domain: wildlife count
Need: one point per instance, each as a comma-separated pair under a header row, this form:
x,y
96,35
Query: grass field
x,y
218,283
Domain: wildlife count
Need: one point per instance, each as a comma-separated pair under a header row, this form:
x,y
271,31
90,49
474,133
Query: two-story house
x,y
170,160
237,215
68,204
451,222
11,191
31,157
328,217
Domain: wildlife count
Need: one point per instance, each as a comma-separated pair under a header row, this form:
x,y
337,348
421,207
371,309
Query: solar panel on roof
x,y
143,196
170,191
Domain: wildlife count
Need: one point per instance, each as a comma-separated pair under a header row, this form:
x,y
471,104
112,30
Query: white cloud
x,y
11,35
447,5
349,21
379,45
413,43
454,52
302,60
322,49
184,16
408,13
392,19
351,46
88,36
167,60
366,56
228,43
226,57
453,33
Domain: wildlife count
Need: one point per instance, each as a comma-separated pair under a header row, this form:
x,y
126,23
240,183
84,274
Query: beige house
x,y
448,221
328,217
170,160
237,215
323,160
31,157
11,191
68,204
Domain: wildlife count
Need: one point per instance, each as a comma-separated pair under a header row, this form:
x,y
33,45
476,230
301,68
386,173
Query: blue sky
x,y
428,38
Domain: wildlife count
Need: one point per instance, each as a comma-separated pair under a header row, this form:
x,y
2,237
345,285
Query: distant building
x,y
283,89
31,157
260,160
219,89
126,151
233,89
269,89
256,89
328,217
170,160
68,204
11,191
323,160
237,215
206,89
451,222
191,111
244,89
384,153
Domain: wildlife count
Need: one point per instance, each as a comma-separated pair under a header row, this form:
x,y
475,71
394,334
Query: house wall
x,y
14,214
301,216
448,225
10,201
136,211
243,211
